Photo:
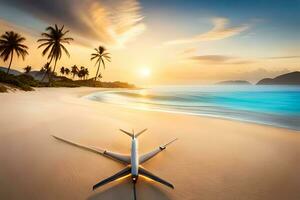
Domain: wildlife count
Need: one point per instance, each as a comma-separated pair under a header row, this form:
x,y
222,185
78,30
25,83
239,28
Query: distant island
x,y
292,78
234,82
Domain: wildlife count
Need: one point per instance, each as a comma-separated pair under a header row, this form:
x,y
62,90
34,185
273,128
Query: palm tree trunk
x,y
44,76
97,72
11,58
50,76
46,72
54,66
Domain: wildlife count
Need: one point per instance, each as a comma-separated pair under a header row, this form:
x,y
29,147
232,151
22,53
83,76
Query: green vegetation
x,y
53,41
26,82
81,73
22,82
114,84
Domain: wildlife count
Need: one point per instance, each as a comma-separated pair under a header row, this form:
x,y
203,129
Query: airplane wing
x,y
153,153
148,174
124,172
116,156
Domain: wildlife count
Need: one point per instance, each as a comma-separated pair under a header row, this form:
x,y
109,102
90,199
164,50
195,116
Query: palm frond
x,y
46,49
44,40
102,55
65,50
98,61
52,39
11,42
44,44
22,46
47,35
103,63
67,39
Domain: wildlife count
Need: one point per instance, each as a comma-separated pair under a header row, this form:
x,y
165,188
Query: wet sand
x,y
213,158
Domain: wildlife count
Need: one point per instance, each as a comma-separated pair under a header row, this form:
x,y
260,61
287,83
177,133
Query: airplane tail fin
x,y
123,173
127,133
140,133
133,135
148,174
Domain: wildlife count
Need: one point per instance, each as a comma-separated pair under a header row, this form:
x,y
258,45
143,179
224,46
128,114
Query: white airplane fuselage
x,y
134,159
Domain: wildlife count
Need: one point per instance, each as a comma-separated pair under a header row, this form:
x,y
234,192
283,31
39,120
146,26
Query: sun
x,y
145,72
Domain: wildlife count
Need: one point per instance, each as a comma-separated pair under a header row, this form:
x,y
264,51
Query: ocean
x,y
270,105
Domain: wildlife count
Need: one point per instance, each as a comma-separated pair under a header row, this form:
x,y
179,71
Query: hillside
x,y
292,78
11,71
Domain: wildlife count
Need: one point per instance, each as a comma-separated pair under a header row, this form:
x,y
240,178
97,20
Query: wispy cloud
x,y
282,57
111,22
220,31
188,51
116,22
211,58
6,26
220,59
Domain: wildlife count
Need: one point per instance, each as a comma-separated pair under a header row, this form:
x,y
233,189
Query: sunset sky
x,y
166,42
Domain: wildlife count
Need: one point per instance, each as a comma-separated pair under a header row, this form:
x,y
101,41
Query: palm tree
x,y
62,70
53,39
86,73
27,69
46,68
67,71
11,42
101,55
81,72
42,69
74,71
100,76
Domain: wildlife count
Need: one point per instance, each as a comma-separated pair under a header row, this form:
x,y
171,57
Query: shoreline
x,y
213,158
92,95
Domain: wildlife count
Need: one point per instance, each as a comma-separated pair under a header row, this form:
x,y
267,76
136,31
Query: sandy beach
x,y
213,158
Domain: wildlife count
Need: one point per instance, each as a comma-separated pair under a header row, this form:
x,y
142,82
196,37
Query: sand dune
x,y
213,159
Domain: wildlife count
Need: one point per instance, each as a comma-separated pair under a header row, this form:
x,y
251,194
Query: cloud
x,y
7,26
218,32
282,57
113,22
188,51
211,58
219,59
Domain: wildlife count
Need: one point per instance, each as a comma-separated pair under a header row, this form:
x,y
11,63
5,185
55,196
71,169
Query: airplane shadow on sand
x,y
123,189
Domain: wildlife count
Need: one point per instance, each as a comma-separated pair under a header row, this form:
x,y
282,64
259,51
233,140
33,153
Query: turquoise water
x,y
271,105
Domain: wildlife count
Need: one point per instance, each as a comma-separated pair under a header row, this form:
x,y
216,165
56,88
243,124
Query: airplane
x,y
133,162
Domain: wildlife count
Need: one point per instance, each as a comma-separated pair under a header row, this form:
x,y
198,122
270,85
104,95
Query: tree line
x,y
53,42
